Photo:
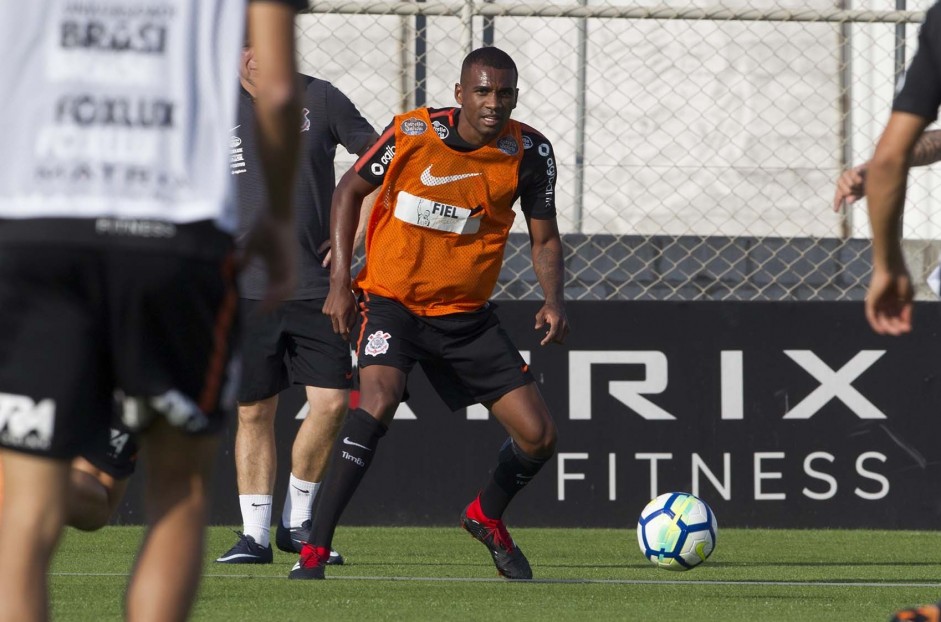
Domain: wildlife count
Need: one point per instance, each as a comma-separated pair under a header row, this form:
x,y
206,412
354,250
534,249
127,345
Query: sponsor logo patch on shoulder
x,y
414,127
508,145
441,129
527,142
377,343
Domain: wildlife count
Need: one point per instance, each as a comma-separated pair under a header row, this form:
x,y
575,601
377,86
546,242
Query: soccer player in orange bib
x,y
434,248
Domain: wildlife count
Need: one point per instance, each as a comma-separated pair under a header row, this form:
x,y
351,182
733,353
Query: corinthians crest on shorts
x,y
377,343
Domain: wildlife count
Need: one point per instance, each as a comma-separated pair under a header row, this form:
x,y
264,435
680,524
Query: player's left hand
x,y
850,187
326,258
554,316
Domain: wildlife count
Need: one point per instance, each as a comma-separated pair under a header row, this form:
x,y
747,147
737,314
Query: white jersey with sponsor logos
x,y
119,108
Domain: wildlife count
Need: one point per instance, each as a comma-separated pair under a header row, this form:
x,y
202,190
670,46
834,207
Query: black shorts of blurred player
x,y
77,324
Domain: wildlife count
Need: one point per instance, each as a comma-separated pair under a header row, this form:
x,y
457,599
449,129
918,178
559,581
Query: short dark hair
x,y
489,57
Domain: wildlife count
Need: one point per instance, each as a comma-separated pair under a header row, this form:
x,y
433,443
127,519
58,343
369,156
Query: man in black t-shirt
x,y
295,343
889,302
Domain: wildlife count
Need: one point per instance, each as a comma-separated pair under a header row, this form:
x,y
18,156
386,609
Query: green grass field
x,y
581,574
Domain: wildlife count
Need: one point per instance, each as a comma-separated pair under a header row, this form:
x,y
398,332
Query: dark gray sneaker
x,y
507,557
246,551
291,540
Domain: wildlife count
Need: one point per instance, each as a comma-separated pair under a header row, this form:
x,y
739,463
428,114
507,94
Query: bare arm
x,y
359,238
364,212
851,185
277,108
366,208
549,267
889,301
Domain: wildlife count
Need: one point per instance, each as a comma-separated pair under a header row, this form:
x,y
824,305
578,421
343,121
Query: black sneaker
x,y
312,563
246,551
925,613
290,540
507,557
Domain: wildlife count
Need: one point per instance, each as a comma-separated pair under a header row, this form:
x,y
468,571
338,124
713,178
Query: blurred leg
x,y
93,496
177,471
34,499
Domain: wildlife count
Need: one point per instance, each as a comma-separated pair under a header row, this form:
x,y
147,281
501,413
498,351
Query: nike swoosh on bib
x,y
430,180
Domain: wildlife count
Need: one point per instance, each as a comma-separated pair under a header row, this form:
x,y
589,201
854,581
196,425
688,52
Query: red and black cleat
x,y
312,563
507,557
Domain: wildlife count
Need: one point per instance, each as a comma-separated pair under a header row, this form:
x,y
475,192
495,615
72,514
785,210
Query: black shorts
x,y
80,323
468,357
116,455
294,344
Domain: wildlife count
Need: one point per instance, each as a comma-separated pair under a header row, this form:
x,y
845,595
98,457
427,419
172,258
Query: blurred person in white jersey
x,y
117,264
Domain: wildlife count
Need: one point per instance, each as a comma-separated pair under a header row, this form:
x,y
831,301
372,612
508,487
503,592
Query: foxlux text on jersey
x,y
87,110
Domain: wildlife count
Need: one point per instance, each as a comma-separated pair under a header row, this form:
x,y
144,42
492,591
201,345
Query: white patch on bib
x,y
434,215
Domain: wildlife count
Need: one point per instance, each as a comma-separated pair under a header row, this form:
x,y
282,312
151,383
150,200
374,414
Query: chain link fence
x,y
698,145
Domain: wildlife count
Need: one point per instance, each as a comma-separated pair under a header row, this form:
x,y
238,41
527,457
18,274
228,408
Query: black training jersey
x,y
328,119
535,187
920,92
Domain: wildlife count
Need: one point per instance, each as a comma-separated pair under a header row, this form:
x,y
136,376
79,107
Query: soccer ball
x,y
677,531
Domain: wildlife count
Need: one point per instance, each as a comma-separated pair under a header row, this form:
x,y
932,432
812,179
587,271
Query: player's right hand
x,y
889,300
850,187
340,306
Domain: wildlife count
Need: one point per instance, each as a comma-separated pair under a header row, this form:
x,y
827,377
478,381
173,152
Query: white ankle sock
x,y
256,517
298,501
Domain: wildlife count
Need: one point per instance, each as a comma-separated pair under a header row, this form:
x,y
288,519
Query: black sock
x,y
514,470
353,452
